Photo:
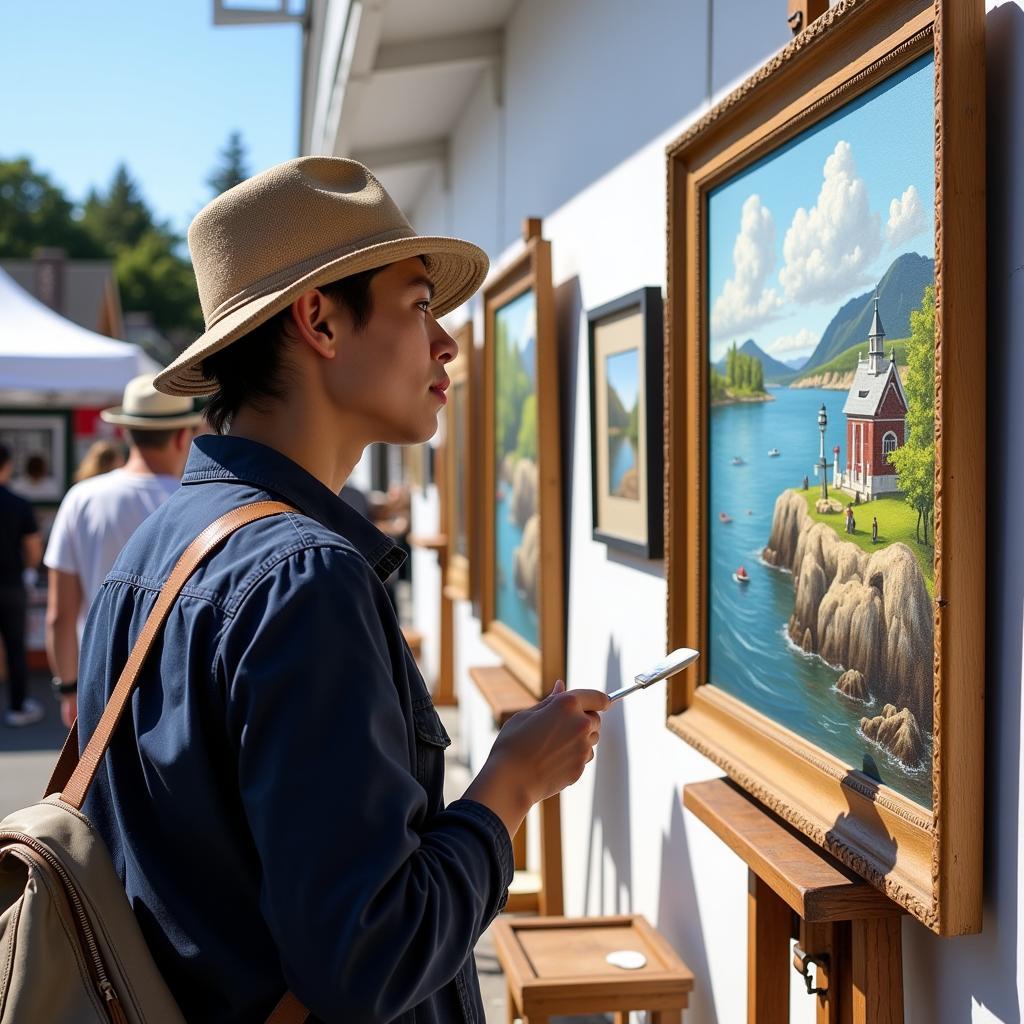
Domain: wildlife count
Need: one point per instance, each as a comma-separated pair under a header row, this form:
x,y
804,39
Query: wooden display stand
x,y
444,687
530,892
557,965
849,943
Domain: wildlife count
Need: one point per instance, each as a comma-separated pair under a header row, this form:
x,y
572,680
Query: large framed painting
x,y
522,585
40,447
826,424
459,502
626,415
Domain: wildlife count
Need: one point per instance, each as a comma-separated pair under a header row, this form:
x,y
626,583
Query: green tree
x,y
730,366
34,212
718,387
757,375
153,277
119,217
232,167
914,461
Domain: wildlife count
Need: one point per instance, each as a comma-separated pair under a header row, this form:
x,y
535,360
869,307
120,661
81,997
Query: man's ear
x,y
311,324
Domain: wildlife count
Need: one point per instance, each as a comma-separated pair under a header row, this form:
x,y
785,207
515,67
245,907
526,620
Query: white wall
x,y
592,91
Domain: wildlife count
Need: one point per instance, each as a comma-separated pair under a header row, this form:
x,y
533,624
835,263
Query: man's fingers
x,y
592,700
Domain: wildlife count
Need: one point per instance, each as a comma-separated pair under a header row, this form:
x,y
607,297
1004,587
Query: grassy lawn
x,y
896,521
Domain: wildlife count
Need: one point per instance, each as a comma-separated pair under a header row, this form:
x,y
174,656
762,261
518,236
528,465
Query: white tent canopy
x,y
46,360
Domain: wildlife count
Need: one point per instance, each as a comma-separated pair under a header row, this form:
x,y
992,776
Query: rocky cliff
x,y
864,611
833,380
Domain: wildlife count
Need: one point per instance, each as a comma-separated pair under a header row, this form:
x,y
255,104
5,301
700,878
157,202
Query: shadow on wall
x,y
866,820
609,844
679,916
983,969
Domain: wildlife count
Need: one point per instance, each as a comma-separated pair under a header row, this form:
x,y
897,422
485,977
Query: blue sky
x,y
622,369
819,221
87,85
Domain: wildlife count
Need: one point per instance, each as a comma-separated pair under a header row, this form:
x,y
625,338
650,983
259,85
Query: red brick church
x,y
876,416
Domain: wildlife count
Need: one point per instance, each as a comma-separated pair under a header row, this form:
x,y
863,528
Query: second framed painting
x,y
521,551
826,386
626,388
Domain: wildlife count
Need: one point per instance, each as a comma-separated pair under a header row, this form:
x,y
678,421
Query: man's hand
x,y
539,752
68,710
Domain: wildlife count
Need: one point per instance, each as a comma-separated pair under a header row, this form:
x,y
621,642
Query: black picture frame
x,y
648,303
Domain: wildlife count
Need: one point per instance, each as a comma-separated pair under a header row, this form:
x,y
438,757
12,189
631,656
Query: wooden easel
x,y
444,687
849,947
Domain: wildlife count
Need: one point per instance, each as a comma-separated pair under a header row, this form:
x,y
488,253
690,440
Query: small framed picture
x,y
38,444
626,401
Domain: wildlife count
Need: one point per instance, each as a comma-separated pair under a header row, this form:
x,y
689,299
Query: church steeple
x,y
876,349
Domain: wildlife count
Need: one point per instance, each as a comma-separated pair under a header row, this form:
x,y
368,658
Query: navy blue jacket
x,y
275,805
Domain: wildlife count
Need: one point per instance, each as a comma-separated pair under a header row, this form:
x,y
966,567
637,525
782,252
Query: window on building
x,y
889,442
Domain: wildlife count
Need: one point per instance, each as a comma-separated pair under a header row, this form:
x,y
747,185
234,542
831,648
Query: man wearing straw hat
x,y
98,515
284,754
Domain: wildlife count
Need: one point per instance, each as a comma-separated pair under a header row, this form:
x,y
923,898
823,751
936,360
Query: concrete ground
x,y
27,757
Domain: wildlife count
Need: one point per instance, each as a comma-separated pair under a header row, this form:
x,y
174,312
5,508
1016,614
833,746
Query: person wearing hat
x,y
98,515
284,752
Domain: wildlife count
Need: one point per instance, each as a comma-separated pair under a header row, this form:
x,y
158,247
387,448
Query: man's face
x,y
390,373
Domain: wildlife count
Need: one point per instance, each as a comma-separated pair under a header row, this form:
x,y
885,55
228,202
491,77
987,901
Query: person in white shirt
x,y
98,515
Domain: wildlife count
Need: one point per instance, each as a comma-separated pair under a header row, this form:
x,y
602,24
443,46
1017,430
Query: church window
x,y
889,442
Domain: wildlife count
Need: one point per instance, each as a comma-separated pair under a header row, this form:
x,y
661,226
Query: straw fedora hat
x,y
303,223
144,408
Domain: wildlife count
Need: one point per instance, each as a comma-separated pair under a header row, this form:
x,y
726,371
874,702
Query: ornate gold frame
x,y
929,862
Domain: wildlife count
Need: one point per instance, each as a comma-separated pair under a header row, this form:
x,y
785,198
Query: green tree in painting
x,y
633,427
512,390
914,461
526,443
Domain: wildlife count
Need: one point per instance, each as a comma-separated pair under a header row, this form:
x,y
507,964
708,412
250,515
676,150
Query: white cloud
x,y
789,345
744,302
829,248
906,217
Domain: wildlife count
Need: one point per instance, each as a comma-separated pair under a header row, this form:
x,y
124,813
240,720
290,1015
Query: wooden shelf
x,y
818,887
504,693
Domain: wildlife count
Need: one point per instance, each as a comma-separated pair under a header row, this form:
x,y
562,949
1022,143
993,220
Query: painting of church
x,y
876,415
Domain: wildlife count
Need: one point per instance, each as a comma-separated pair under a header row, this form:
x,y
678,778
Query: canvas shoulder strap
x,y
73,775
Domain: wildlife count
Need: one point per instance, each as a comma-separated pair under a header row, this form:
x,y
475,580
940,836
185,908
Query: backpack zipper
x,y
113,1004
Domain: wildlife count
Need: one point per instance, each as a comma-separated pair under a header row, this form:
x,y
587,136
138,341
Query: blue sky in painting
x,y
820,220
622,369
520,319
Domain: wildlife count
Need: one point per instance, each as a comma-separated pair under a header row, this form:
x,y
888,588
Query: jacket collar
x,y
215,458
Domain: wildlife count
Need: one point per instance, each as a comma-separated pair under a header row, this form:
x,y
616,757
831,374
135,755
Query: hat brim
x,y
121,418
457,269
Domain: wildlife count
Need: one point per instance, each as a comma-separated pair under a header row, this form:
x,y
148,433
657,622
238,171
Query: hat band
x,y
296,271
156,416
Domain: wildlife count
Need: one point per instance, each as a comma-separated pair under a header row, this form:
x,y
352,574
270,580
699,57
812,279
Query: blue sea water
x,y
510,607
622,457
750,655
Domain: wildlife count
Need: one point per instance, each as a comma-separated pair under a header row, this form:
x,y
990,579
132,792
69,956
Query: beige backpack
x,y
71,951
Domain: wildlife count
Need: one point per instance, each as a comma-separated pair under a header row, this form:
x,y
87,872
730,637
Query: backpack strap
x,y
76,787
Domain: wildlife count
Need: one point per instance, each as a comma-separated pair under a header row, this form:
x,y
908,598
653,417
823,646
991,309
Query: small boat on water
x,y
740,575
737,461
773,453
724,517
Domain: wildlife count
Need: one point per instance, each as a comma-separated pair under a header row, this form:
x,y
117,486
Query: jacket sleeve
x,y
373,905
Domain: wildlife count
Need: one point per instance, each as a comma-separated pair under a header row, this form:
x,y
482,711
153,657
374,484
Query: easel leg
x,y
877,968
551,856
666,1017
769,922
510,1003
519,847
819,940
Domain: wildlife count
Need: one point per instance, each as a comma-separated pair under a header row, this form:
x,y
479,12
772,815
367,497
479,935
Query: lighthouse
x,y
876,418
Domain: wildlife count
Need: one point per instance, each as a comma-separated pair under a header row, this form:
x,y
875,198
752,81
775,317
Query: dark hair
x,y
250,371
150,440
36,467
5,455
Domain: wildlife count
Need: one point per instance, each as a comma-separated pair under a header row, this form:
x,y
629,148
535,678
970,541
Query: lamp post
x,y
822,424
